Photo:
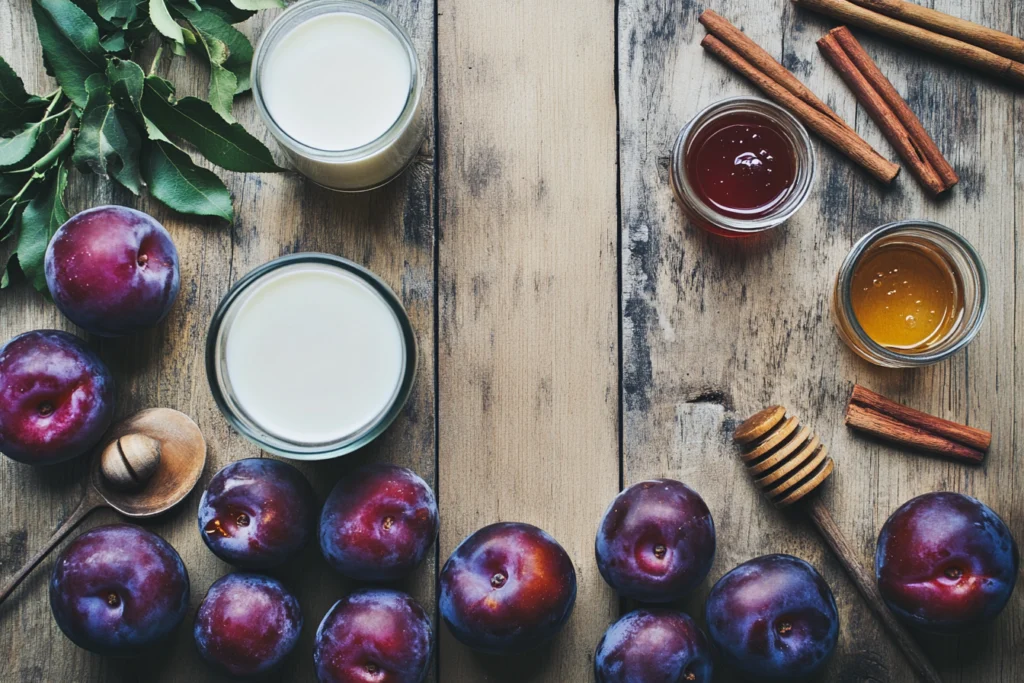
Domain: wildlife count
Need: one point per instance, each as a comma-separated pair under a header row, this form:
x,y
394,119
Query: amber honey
x,y
906,295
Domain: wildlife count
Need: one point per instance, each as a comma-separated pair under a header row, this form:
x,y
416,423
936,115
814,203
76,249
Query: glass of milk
x,y
310,356
338,84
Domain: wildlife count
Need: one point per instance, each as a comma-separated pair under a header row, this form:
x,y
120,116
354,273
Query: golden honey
x,y
906,295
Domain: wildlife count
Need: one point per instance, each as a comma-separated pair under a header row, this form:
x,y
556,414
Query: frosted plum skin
x,y
376,636
773,619
112,270
247,624
653,646
656,541
56,397
946,563
257,513
507,588
118,589
378,523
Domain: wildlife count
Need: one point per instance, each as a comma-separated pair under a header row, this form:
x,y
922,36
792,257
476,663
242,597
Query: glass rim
x,y
972,327
274,443
295,16
764,107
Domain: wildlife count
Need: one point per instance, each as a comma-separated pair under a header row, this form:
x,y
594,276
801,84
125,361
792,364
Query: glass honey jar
x,y
910,294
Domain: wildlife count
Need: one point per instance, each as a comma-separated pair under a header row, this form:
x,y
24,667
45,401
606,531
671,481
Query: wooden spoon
x,y
182,458
789,463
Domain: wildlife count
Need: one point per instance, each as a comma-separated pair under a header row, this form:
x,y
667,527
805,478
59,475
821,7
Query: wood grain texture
x,y
528,395
714,330
391,231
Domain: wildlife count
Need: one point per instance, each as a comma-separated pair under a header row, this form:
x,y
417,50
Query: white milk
x,y
314,354
336,76
337,81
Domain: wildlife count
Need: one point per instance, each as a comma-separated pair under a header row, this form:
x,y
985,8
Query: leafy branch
x,y
111,118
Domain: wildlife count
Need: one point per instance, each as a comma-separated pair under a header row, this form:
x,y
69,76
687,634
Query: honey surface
x,y
905,297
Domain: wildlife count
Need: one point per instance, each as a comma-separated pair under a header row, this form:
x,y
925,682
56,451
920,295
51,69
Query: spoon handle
x,y
90,502
865,582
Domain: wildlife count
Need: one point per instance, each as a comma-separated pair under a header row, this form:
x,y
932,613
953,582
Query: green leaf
x,y
16,148
71,45
39,221
127,80
226,144
227,11
17,107
118,12
224,44
164,23
222,91
176,181
108,140
10,209
43,154
115,42
58,149
257,4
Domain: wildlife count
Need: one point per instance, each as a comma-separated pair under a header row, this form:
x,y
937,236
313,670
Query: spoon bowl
x,y
182,459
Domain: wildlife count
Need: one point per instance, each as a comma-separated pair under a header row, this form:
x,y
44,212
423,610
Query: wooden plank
x,y
527,282
391,231
714,330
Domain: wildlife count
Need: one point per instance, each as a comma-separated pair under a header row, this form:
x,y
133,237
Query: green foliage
x,y
109,118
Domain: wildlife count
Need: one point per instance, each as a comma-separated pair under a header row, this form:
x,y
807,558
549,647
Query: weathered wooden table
x,y
576,333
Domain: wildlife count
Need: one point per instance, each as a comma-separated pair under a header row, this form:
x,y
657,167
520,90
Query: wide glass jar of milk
x,y
339,85
310,356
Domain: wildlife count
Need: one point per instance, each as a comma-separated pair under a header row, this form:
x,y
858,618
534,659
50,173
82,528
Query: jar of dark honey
x,y
742,166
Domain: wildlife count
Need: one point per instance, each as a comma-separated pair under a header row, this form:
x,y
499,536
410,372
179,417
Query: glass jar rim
x,y
250,428
845,280
762,107
295,16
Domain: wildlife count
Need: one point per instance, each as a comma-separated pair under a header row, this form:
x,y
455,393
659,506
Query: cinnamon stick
x,y
922,140
944,46
842,138
902,139
876,415
992,40
719,26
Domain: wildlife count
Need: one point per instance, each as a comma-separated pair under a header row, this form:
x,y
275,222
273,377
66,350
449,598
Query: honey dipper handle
x,y
869,589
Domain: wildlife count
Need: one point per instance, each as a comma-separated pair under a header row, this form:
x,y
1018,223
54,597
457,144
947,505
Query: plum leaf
x,y
71,45
176,181
228,145
39,221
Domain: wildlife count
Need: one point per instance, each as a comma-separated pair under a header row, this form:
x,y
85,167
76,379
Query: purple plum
x,y
257,513
946,563
117,589
56,397
378,523
247,624
656,542
112,270
653,646
374,636
507,588
773,619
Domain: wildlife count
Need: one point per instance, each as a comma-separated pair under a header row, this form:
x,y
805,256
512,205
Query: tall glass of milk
x,y
310,356
338,84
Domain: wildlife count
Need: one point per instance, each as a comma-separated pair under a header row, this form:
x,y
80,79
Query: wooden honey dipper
x,y
789,464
